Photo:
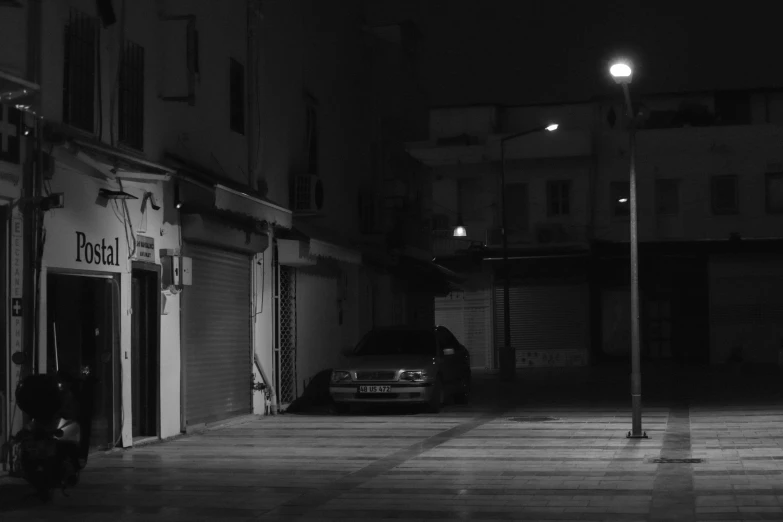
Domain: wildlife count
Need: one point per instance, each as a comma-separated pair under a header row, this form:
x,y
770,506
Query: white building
x,y
709,168
217,193
547,195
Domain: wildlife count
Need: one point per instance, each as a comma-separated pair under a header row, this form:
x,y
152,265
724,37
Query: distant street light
x,y
507,356
623,74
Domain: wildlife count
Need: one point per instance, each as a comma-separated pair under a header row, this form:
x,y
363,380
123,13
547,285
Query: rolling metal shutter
x,y
545,318
746,308
467,315
216,336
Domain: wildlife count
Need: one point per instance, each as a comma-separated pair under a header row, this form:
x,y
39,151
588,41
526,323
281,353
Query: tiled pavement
x,y
491,460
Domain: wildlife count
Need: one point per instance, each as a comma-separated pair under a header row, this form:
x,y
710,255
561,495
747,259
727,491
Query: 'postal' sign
x,y
97,253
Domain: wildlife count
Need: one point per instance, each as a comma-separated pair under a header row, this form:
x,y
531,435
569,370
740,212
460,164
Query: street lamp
x,y
622,74
507,356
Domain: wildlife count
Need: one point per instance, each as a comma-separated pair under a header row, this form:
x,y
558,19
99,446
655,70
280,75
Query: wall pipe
x,y
270,385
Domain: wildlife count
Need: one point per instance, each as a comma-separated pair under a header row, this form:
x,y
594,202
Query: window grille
x,y
79,74
131,96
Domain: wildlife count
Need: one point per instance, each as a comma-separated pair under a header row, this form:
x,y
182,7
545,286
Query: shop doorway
x,y
83,334
145,351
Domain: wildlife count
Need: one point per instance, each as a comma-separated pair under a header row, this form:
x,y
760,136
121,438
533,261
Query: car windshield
x,y
394,342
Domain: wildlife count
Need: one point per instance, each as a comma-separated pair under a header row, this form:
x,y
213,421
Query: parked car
x,y
403,365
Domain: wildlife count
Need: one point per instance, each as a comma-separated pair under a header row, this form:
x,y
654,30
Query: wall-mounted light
x,y
149,196
459,230
115,194
177,200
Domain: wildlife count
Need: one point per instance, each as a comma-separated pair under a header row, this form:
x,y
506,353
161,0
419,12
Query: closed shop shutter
x,y
448,313
467,315
746,308
216,335
549,323
478,318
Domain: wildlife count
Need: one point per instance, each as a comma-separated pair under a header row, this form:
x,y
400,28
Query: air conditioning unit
x,y
308,194
548,233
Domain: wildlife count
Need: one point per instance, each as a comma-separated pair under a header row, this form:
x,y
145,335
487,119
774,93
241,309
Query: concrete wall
x,y
693,155
199,133
480,204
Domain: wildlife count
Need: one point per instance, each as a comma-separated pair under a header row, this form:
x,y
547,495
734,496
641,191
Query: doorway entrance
x,y
83,335
145,301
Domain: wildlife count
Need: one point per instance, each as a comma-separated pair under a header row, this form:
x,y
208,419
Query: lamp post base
x,y
642,436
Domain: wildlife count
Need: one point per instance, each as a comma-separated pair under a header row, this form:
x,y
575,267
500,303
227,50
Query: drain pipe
x,y
270,385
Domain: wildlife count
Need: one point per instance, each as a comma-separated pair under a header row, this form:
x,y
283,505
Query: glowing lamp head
x,y
551,127
459,231
621,72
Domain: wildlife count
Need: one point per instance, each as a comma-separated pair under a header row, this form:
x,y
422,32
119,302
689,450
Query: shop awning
x,y
230,195
324,243
106,161
238,201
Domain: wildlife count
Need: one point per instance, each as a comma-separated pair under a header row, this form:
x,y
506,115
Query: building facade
x,y
225,208
707,165
707,168
548,178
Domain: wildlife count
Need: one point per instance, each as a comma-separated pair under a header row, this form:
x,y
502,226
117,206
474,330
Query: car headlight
x,y
414,375
340,376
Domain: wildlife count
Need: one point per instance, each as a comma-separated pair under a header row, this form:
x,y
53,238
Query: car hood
x,y
389,362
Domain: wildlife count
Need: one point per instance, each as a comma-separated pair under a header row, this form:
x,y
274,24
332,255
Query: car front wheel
x,y
463,395
436,400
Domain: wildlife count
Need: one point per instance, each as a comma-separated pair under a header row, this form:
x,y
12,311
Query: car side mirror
x,y
448,351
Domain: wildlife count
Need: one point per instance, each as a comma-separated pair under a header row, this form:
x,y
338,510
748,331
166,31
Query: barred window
x,y
79,75
131,96
237,96
558,197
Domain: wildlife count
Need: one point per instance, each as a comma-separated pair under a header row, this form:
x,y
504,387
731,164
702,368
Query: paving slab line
x,y
673,497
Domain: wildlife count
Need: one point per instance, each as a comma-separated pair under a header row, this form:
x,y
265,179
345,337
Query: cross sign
x,y
10,127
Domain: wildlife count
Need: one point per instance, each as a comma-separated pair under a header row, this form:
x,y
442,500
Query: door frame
x,y
118,402
155,269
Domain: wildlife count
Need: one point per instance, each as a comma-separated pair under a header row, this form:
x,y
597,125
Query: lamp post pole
x,y
636,375
507,356
622,75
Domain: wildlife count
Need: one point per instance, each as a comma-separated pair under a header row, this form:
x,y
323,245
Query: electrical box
x,y
186,271
171,274
177,269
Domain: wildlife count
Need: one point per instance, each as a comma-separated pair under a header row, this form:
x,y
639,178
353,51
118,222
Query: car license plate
x,y
374,389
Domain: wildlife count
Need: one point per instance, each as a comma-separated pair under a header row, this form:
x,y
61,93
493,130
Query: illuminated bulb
x,y
620,70
623,200
460,231
552,127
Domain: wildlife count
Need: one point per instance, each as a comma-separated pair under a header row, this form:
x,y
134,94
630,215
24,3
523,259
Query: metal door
x,y
216,340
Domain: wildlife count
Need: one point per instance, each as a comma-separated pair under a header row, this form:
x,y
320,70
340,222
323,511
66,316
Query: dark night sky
x,y
520,52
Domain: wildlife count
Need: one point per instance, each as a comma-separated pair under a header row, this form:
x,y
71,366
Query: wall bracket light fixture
x,y
115,194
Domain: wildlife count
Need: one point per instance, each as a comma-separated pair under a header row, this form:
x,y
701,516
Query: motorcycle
x,y
51,450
